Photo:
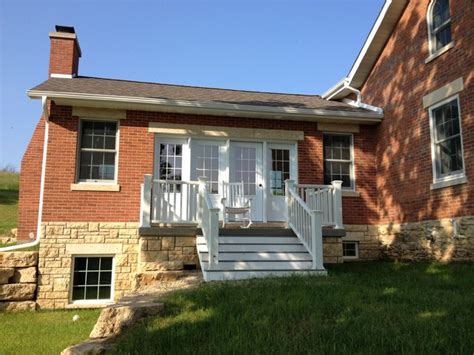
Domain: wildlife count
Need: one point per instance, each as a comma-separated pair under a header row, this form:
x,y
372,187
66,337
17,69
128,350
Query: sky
x,y
293,46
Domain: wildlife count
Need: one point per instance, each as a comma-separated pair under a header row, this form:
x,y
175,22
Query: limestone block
x,y
77,225
5,274
167,243
17,292
45,304
154,244
18,259
94,239
185,241
90,346
151,256
18,306
93,227
25,275
162,266
61,284
355,227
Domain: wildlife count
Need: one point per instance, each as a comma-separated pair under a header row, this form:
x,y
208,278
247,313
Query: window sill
x,y
95,187
440,51
446,183
350,193
96,304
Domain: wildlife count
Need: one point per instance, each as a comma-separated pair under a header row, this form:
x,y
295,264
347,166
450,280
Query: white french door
x,y
246,164
281,166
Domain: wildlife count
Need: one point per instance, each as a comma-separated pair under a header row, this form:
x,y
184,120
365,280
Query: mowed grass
x,y
44,332
8,201
369,308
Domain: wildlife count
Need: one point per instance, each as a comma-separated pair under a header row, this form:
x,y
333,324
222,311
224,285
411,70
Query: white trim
x,y
88,186
444,180
96,301
216,108
88,183
429,24
440,51
356,243
447,183
62,76
352,188
363,105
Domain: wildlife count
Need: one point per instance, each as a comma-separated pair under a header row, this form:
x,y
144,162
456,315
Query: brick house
x,y
380,166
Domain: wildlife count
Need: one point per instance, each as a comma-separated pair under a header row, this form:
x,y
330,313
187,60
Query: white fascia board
x,y
215,108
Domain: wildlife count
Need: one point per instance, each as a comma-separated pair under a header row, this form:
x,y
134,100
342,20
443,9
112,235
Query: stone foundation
x,y
167,253
332,250
63,240
18,280
416,241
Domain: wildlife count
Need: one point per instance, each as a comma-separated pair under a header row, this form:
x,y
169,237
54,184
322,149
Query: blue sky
x,y
292,46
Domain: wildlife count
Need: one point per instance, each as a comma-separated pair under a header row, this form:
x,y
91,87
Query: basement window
x,y
92,278
350,250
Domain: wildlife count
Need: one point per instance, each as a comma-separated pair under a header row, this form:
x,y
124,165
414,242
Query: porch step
x,y
243,256
257,231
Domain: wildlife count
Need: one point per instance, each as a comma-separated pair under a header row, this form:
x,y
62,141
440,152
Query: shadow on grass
x,y
8,197
359,307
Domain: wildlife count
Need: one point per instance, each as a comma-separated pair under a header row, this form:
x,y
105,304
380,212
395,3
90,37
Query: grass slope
x,y
8,201
46,332
359,308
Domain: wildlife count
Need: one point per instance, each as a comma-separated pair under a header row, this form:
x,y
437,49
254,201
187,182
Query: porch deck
x,y
279,248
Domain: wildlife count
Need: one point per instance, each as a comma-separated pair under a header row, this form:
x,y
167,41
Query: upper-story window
x,y
439,25
98,151
338,159
446,135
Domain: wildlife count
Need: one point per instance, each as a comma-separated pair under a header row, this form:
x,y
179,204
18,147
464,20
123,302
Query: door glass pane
x,y
245,162
207,164
280,171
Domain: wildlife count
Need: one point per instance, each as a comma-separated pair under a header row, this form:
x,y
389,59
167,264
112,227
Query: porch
x,y
278,248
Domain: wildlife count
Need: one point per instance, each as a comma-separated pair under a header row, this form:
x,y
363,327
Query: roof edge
x,y
199,106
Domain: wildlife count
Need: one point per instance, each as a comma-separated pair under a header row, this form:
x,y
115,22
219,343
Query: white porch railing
x,y
209,223
174,201
325,198
305,223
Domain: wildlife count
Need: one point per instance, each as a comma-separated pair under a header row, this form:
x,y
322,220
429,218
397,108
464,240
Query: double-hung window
x,y
338,159
447,150
98,151
439,25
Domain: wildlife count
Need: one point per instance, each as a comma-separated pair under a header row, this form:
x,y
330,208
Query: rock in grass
x,y
114,319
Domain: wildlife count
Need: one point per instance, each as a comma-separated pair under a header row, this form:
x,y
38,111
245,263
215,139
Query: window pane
x,y
104,292
93,264
206,158
280,171
91,292
106,264
78,293
80,264
79,278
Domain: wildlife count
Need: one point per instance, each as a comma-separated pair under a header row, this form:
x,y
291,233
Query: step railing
x,y
325,198
305,223
208,217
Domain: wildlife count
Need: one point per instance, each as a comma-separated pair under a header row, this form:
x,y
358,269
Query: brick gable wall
x,y
397,83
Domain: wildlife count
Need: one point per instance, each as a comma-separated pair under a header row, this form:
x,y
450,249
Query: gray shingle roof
x,y
102,86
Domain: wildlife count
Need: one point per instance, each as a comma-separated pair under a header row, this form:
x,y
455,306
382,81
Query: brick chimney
x,y
65,53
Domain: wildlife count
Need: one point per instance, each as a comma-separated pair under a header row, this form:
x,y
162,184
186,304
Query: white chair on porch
x,y
236,203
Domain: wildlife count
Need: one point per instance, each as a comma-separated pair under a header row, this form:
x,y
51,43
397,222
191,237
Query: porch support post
x,y
145,207
317,239
289,185
337,196
202,188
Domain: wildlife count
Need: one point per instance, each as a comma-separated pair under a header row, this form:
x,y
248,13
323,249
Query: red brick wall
x,y
64,56
30,184
397,83
136,159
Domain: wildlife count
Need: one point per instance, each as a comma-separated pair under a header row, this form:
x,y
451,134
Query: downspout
x,y
44,103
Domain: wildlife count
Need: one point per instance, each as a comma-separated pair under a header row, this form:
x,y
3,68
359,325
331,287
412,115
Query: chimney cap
x,y
65,29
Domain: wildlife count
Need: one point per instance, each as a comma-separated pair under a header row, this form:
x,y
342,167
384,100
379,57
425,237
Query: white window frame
x,y
352,166
79,150
461,174
356,243
112,285
432,34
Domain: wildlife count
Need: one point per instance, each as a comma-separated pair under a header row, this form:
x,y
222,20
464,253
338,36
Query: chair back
x,y
233,192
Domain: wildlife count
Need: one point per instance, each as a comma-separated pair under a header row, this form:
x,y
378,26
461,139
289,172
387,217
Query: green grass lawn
x,y
45,332
370,308
8,201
